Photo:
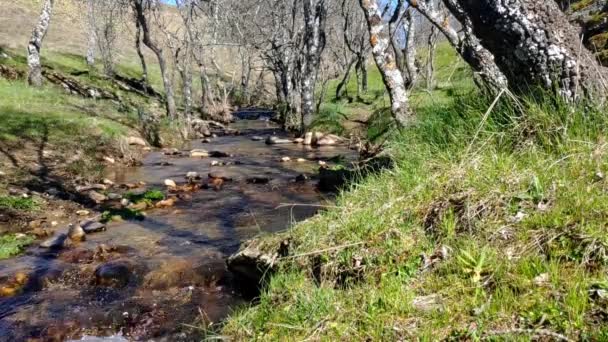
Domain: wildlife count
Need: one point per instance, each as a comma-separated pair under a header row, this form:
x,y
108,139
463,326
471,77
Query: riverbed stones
x,y
56,242
113,274
199,153
298,140
220,175
258,180
167,203
107,182
91,226
170,183
76,233
97,197
257,138
219,154
114,196
273,140
171,152
285,159
192,176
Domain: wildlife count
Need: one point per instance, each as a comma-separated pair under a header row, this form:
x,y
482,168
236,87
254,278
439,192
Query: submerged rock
x,y
219,154
257,138
220,175
272,140
258,180
254,261
55,242
113,274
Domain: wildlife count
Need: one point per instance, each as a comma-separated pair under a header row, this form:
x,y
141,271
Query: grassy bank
x,y
491,225
487,224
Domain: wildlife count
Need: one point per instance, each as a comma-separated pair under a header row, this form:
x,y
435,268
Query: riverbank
x,y
491,225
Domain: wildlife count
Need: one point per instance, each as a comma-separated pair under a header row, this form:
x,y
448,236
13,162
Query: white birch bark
x,y
35,44
385,60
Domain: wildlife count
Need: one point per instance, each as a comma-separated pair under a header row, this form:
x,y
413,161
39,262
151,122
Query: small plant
x,y
11,245
18,203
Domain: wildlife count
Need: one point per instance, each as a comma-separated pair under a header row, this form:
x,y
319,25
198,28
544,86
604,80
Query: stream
x,y
173,261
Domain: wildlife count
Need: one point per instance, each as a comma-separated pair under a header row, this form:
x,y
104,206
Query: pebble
x,y
301,160
170,183
109,160
199,153
106,181
285,159
83,212
192,175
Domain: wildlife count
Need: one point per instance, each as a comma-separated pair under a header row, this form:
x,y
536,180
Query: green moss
x,y
150,196
11,245
121,214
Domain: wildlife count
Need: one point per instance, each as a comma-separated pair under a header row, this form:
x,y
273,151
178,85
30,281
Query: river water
x,y
175,256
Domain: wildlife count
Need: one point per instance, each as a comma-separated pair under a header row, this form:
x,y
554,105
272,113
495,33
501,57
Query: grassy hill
x,y
491,225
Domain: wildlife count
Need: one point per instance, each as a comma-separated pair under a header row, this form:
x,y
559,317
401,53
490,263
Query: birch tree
x,y
534,45
35,44
384,56
315,19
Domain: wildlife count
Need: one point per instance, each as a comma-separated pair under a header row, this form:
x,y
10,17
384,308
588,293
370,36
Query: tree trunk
x,y
92,41
138,7
534,45
430,63
35,44
410,50
142,59
364,75
385,60
466,43
344,82
314,40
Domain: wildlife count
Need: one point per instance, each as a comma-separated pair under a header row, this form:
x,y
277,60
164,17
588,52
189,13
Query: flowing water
x,y
175,256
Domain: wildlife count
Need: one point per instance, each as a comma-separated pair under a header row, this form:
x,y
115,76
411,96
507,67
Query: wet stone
x,y
220,175
272,140
219,154
257,138
56,242
113,274
258,180
90,227
76,233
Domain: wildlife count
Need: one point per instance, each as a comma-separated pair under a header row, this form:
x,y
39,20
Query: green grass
x,y
11,245
516,201
499,216
18,203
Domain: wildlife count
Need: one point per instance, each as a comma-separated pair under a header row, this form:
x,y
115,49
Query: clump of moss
x,y
150,196
121,214
12,244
